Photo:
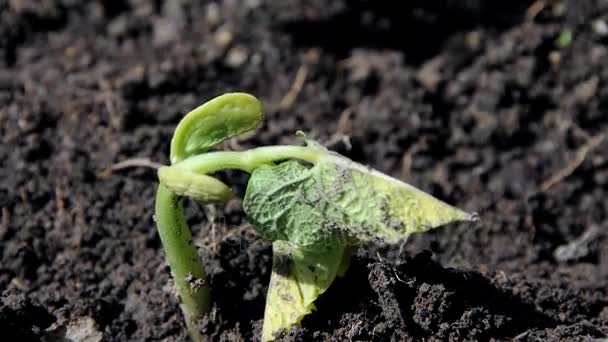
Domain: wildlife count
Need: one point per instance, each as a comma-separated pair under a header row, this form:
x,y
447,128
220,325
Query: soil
x,y
476,102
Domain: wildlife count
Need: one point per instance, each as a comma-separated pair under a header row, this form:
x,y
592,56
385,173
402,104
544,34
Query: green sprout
x,y
315,205
564,39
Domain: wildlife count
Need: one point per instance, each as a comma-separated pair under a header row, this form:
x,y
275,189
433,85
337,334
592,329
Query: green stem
x,y
248,160
186,268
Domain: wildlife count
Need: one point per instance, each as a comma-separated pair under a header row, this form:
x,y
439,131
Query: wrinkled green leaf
x,y
337,198
223,117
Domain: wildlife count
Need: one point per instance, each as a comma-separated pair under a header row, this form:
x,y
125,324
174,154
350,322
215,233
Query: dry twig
x,y
59,197
534,9
296,87
574,164
408,157
537,7
343,131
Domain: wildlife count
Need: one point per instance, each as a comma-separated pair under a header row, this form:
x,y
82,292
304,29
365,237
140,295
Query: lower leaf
x,y
299,277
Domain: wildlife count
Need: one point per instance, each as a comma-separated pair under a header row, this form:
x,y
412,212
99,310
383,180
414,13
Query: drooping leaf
x,y
337,198
299,277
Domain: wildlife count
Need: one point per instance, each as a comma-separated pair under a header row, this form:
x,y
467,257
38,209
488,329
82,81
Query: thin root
x,y
212,244
130,163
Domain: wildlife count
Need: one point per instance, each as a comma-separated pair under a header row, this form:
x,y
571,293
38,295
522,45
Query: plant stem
x,y
248,160
186,268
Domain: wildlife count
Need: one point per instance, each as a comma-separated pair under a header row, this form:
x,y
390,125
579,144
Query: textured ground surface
x,y
468,100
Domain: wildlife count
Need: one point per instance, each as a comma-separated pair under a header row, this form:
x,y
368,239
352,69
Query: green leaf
x,y
564,39
339,199
299,277
281,203
223,117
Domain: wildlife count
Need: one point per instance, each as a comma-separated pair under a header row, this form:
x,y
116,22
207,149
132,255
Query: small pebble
x,y
213,16
118,26
585,91
223,38
601,178
579,247
237,56
600,27
597,54
473,40
165,31
555,57
83,329
430,75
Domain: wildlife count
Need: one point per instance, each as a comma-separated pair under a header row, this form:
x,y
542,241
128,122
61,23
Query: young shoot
x,y
315,205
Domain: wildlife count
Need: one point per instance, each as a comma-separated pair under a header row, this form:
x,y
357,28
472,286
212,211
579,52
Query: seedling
x,y
564,39
315,206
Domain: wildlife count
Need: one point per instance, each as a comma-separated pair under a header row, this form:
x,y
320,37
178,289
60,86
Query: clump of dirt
x,y
475,102
420,299
22,319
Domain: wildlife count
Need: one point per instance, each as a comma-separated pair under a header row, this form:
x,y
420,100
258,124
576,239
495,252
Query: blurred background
x,y
494,106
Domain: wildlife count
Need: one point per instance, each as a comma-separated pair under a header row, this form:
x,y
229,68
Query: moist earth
x,y
479,103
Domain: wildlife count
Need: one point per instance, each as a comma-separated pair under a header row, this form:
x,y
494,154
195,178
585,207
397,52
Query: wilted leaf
x,y
339,199
316,213
299,277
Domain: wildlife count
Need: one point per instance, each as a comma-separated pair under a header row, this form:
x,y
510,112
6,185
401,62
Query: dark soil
x,y
468,100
